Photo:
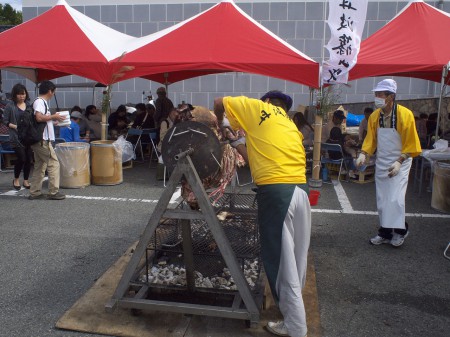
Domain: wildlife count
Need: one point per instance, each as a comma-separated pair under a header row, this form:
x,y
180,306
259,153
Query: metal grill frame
x,y
241,230
244,302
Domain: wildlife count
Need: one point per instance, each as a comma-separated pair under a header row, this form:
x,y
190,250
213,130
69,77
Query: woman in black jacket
x,y
13,112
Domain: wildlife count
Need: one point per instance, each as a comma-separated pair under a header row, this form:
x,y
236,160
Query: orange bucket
x,y
313,197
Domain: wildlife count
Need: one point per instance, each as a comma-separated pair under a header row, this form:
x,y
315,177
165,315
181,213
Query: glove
x,y
237,142
394,169
361,160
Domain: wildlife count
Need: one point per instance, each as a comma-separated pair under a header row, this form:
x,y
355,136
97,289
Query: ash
x,y
172,275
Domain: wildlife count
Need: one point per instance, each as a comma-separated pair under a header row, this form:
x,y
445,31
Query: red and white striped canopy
x,y
60,42
221,39
413,44
63,41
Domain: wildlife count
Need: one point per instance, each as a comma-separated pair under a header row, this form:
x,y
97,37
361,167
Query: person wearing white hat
x,y
391,131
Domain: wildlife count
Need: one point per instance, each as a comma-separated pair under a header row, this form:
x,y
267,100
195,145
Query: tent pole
x,y
166,82
316,181
444,75
318,118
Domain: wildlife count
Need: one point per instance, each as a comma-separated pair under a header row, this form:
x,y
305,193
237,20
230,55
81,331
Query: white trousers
x,y
291,276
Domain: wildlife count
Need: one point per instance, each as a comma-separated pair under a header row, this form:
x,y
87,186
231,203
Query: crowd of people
x,y
277,164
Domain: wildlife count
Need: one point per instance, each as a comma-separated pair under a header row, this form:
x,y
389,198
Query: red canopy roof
x,y
60,42
220,39
413,44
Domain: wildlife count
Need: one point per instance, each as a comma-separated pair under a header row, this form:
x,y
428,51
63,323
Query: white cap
x,y
130,109
386,85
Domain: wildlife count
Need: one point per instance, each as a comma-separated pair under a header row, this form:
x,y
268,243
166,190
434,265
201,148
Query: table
x,y
427,159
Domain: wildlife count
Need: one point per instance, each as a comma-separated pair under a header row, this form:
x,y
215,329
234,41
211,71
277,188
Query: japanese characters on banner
x,y
346,20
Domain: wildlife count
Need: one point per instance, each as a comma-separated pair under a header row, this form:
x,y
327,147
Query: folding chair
x,y
5,148
342,162
136,142
149,137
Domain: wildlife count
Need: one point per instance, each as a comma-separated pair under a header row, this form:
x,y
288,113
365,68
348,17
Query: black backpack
x,y
29,130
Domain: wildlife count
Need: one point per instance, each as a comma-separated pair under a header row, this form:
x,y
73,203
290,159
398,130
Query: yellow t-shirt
x,y
406,127
274,144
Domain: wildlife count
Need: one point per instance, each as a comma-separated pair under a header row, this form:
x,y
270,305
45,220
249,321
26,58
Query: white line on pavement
x,y
348,209
342,197
414,215
174,200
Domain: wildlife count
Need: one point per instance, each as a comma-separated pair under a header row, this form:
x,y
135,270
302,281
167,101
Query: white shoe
x,y
378,240
277,328
397,239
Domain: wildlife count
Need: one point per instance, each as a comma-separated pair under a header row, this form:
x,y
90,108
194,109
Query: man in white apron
x,y
391,131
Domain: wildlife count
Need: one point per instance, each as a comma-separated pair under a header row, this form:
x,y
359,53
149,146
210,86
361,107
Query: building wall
x,y
300,23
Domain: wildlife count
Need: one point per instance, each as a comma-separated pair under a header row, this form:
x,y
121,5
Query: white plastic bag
x,y
440,146
126,148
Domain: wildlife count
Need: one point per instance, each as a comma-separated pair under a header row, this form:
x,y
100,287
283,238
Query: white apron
x,y
390,191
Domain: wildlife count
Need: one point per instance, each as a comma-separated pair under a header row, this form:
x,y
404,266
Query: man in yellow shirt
x,y
278,165
391,131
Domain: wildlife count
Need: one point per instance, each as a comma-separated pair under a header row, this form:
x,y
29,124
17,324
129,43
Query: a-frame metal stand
x,y
244,304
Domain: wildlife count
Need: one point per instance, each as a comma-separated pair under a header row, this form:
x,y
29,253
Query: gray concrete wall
x,y
300,23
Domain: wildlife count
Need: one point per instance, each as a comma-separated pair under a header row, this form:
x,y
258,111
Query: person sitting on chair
x,y
118,122
337,120
362,130
144,116
166,124
94,120
336,137
305,128
72,133
85,130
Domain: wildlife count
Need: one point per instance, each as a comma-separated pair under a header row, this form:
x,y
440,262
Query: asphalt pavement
x,y
52,252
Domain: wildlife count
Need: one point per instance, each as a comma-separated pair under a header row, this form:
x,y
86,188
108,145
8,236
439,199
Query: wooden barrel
x,y
440,197
106,163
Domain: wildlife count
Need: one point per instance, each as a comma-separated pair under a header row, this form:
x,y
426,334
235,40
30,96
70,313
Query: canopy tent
x,y
61,42
221,39
412,44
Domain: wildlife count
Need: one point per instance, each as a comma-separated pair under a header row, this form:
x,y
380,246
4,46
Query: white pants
x,y
291,276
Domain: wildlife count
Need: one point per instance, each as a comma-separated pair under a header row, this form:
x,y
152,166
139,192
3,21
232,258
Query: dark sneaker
x,y
56,196
37,197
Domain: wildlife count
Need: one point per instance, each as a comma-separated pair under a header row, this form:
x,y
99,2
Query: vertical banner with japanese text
x,y
346,20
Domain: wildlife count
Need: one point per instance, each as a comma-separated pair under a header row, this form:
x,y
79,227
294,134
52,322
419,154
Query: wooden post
x,y
104,126
316,149
106,106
